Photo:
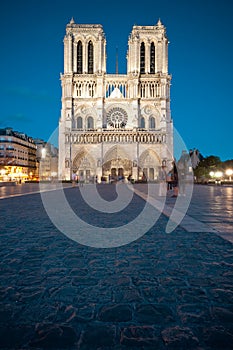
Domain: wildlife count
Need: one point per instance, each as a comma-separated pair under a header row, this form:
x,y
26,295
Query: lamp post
x,y
229,172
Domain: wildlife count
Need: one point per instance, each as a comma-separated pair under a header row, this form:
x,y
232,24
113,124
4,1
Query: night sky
x,y
200,62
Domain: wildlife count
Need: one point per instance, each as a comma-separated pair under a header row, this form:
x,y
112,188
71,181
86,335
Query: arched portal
x,y
84,166
149,164
117,164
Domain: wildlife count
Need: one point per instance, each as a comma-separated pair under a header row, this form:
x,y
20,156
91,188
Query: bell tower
x,y
148,50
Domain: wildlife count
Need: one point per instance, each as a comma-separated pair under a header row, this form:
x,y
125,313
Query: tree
x,y
210,163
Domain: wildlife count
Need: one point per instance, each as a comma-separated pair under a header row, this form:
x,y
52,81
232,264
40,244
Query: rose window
x,y
117,118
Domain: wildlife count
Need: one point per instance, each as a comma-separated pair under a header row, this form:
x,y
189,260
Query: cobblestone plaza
x,y
162,291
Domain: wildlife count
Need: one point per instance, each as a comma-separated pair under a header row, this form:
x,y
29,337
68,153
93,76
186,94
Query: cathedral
x,y
115,125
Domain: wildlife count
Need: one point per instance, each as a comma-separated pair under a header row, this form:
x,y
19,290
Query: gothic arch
x,y
115,152
83,159
118,160
149,164
149,157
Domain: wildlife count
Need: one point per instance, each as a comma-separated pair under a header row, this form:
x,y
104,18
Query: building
x,y
195,157
47,157
17,156
115,124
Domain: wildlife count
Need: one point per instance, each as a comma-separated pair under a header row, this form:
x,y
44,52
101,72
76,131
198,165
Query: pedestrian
x,y
81,180
162,182
175,180
169,181
73,179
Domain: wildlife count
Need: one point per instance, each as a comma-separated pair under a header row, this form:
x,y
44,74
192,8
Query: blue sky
x,y
200,61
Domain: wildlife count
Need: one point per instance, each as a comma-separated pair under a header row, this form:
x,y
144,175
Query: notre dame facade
x,y
116,125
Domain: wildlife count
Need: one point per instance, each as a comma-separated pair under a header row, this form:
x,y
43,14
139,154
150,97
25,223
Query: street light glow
x,y
229,172
218,174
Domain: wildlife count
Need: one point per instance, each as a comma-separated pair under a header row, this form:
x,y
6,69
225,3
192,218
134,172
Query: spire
x,y
159,23
72,20
116,60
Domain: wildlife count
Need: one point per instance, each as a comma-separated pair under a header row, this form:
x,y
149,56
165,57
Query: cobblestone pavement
x,y
163,291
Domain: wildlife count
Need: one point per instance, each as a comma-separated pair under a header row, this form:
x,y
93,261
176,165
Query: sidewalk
x,y
162,291
210,210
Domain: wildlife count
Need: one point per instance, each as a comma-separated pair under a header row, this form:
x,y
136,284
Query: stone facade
x,y
115,124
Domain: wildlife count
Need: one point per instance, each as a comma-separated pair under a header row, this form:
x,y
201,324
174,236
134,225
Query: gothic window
x,y
90,123
79,123
143,90
79,90
90,57
142,123
152,90
117,118
142,58
152,58
157,89
79,58
91,90
152,123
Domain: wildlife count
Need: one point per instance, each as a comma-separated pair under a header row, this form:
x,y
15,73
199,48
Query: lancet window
x,y
142,123
79,58
90,123
151,123
142,58
79,123
152,58
90,58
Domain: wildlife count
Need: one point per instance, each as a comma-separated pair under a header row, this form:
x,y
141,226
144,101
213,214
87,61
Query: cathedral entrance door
x,y
117,174
120,173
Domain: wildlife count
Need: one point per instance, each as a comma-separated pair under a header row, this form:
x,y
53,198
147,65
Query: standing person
x,y
73,179
175,180
169,181
81,180
162,181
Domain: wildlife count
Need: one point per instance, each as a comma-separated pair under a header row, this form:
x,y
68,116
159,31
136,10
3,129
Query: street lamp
x,y
229,172
43,152
218,174
3,173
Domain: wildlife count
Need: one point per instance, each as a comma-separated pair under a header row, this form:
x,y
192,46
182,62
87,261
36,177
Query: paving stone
x,y
217,337
96,335
153,314
127,294
180,338
115,313
223,314
140,337
54,337
14,337
194,313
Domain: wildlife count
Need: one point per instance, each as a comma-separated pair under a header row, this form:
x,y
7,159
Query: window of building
x,y
79,90
152,58
142,58
90,57
91,90
79,58
152,123
90,123
79,123
142,123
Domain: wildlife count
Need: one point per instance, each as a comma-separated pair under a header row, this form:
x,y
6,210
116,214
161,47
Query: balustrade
x,y
119,136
